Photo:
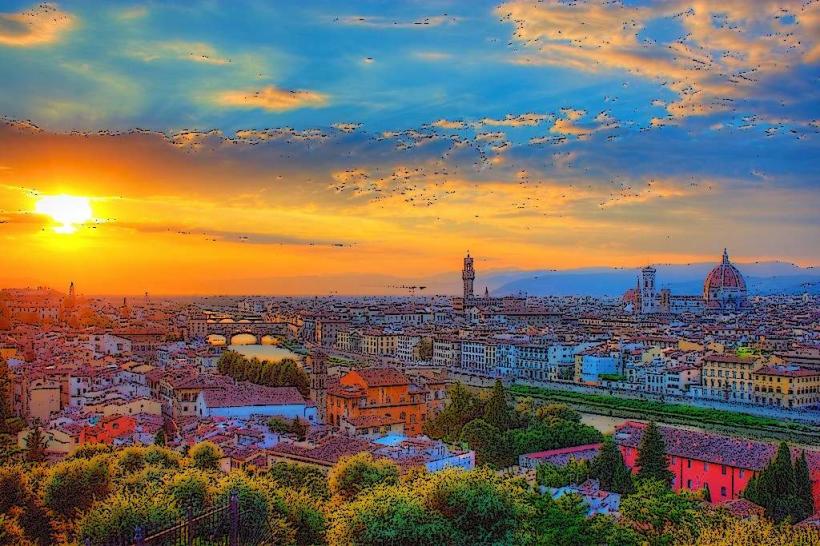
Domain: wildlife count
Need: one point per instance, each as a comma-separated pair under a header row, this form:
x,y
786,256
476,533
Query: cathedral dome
x,y
724,286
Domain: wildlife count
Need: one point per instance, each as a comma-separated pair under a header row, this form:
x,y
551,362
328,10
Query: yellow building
x,y
786,386
729,377
375,342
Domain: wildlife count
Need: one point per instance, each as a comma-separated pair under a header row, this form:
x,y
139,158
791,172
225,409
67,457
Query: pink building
x,y
724,463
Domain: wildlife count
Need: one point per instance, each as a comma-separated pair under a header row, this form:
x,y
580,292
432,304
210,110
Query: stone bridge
x,y
258,329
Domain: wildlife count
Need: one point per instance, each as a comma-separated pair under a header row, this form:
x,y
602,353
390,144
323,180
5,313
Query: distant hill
x,y
762,278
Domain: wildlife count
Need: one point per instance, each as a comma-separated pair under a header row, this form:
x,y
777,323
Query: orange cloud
x,y
273,99
727,46
41,25
520,120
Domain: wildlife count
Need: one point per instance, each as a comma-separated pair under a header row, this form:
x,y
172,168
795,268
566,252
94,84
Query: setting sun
x,y
68,210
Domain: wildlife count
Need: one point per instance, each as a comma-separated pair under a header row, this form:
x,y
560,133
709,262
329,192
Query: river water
x,y
246,345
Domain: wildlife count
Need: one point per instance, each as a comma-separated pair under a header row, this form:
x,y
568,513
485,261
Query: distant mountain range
x,y
762,278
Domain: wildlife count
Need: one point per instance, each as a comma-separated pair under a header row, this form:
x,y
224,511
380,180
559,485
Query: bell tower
x,y
468,276
649,299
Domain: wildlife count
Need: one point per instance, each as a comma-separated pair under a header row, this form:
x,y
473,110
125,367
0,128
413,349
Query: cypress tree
x,y
783,489
652,461
609,469
802,483
496,411
707,493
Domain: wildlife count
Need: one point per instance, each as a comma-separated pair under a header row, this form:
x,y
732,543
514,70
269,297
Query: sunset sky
x,y
305,147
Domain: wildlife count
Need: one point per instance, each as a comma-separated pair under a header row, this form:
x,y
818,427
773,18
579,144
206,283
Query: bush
x,y
205,456
11,532
389,515
118,516
304,515
259,515
149,478
356,473
131,459
574,472
18,498
73,485
309,479
161,456
483,508
89,451
191,489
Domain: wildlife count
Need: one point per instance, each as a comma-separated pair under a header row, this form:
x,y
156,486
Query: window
x,y
705,466
741,473
688,463
723,491
688,484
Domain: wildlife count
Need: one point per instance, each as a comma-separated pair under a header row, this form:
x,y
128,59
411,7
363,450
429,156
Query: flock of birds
x,y
463,150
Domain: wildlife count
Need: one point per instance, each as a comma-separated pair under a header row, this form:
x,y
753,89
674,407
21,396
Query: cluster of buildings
x,y
698,460
129,371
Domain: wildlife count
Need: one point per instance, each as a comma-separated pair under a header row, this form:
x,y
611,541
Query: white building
x,y
246,399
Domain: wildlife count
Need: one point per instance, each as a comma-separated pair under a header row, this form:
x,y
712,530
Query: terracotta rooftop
x,y
248,394
372,420
383,377
788,371
328,451
714,448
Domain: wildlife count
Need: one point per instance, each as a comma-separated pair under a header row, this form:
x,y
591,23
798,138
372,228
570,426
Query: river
x,y
246,345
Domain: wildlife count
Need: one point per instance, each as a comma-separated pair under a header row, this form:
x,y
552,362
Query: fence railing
x,y
215,526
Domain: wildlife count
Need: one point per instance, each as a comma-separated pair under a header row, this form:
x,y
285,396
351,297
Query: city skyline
x,y
354,144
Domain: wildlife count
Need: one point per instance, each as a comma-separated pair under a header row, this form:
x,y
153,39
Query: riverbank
x,y
677,414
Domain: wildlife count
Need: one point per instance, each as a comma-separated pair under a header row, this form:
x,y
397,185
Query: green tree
x,y
298,476
652,462
159,437
482,507
356,473
609,469
757,531
19,501
205,456
260,516
389,515
130,459
463,406
89,451
776,488
662,515
496,410
73,485
119,515
11,532
706,493
557,412
304,514
485,440
162,456
191,489
564,522
574,472
36,443
802,483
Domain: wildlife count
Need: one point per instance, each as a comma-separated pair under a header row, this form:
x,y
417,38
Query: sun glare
x,y
68,210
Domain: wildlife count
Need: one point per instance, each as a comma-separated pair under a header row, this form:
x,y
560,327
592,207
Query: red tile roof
x,y
383,377
713,448
248,394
